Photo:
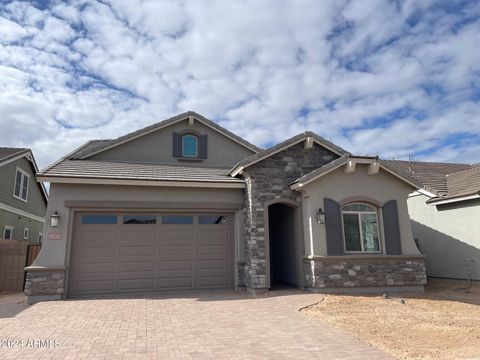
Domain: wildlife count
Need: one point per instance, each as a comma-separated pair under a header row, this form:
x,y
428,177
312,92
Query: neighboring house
x,y
446,216
23,201
186,204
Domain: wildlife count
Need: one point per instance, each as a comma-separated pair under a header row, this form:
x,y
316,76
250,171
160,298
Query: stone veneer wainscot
x,y
364,271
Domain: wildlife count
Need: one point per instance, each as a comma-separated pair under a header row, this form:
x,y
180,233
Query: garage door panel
x,y
175,265
176,250
212,281
136,250
212,264
95,236
100,267
172,283
136,266
212,249
94,251
95,285
136,284
124,258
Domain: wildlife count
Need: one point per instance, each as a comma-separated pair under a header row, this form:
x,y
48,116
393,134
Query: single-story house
x,y
186,204
23,201
445,216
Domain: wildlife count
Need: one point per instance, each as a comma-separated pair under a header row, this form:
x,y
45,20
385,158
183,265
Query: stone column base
x,y
44,283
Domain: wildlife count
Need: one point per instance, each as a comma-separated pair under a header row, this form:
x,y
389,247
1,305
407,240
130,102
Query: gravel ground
x,y
442,323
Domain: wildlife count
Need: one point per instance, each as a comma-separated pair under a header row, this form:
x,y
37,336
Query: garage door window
x,y
99,219
139,219
177,219
212,220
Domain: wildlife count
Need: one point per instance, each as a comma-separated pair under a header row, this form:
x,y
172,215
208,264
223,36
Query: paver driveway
x,y
218,325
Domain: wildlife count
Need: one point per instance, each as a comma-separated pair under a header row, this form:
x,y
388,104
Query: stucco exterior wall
x,y
54,253
339,186
157,148
448,235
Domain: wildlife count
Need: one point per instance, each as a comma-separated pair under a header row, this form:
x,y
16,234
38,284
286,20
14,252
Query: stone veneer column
x,y
267,181
44,283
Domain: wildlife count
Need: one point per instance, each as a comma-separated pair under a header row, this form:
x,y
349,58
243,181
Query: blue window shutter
x,y
177,145
392,229
333,227
202,146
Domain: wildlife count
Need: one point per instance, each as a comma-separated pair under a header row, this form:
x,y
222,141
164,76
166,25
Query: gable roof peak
x,y
101,146
285,145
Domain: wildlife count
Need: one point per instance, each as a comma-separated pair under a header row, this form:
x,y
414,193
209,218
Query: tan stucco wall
x,y
157,147
448,235
339,186
54,252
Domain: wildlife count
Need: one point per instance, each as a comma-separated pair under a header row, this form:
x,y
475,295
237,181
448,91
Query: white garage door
x,y
139,252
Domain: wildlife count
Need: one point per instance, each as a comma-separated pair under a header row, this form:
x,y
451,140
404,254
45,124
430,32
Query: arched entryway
x,y
283,245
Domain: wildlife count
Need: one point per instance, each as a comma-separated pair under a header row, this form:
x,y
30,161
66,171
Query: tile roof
x,y
285,144
99,145
136,171
463,183
322,170
432,176
7,153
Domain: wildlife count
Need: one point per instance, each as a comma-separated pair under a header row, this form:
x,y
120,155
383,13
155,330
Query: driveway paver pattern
x,y
193,325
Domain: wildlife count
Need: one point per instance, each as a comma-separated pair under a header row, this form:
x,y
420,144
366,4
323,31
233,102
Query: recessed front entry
x,y
284,249
141,252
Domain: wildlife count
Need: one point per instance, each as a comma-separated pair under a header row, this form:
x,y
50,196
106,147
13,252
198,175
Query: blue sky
x,y
394,78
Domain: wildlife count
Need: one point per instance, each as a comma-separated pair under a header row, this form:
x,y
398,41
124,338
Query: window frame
x,y
196,146
26,232
359,213
40,238
22,181
5,228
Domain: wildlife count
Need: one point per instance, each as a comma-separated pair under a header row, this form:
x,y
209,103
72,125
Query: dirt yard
x,y
442,323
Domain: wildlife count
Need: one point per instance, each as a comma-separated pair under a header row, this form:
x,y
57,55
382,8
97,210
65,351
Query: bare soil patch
x,y
442,323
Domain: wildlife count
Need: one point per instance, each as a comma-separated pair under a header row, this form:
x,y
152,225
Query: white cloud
x,y
394,78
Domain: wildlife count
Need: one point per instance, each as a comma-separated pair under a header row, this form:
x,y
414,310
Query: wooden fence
x,y
15,255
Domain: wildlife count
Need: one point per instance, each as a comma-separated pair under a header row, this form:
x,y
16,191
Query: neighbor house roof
x,y
343,160
8,154
97,146
431,175
285,145
120,171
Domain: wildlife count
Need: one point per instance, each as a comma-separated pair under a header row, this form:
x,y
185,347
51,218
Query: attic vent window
x,y
189,146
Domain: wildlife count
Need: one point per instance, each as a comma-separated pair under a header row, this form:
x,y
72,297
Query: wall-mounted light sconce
x,y
54,219
320,216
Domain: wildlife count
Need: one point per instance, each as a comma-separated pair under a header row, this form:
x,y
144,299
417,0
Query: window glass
x,y
359,207
212,219
25,234
177,219
370,232
189,145
40,238
352,233
360,226
25,188
99,219
18,183
139,219
7,233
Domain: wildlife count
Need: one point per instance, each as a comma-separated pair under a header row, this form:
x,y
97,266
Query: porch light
x,y
320,216
54,219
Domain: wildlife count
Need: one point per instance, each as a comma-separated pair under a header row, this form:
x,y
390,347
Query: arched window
x,y
189,145
360,226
